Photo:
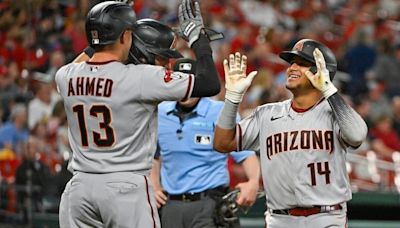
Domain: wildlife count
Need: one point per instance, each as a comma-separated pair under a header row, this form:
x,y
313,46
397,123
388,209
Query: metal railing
x,y
369,173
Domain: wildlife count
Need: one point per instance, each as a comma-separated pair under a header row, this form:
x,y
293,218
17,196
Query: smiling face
x,y
296,80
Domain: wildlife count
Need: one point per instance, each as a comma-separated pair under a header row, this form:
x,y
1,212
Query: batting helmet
x,y
152,38
106,22
95,2
304,49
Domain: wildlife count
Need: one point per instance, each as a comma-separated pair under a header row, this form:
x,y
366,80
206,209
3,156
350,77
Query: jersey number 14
x,y
322,170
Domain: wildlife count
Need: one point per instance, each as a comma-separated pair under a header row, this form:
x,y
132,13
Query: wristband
x,y
233,96
227,117
329,90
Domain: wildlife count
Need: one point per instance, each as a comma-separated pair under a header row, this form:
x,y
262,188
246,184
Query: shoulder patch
x,y
167,76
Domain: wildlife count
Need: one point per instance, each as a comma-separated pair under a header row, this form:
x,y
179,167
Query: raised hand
x,y
321,80
236,80
190,24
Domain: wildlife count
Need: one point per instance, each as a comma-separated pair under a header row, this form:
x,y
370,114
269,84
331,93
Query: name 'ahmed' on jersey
x,y
299,140
90,86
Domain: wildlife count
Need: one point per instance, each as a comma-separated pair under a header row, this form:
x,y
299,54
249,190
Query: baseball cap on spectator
x,y
17,109
42,77
185,65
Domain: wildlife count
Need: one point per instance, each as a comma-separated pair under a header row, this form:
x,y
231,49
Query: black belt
x,y
221,190
307,211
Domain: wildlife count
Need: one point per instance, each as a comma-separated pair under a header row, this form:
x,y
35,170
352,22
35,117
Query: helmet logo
x,y
185,67
95,37
298,46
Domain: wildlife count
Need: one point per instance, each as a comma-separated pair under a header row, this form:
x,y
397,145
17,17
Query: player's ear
x,y
125,36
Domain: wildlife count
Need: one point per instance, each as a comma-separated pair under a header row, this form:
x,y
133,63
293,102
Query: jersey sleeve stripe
x,y
189,88
239,137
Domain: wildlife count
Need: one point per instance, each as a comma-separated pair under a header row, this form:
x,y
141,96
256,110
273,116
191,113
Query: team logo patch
x,y
202,139
298,46
170,75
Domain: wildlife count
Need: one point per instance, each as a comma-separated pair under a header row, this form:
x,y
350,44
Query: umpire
x,y
194,177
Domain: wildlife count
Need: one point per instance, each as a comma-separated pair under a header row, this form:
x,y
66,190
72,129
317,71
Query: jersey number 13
x,y
105,138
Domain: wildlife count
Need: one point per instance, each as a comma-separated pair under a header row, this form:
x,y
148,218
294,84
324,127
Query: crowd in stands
x,y
37,37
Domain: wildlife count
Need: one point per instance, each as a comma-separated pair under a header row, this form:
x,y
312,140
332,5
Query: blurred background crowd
x,y
39,36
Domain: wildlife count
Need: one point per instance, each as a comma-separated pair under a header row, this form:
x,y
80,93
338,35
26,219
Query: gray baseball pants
x,y
120,200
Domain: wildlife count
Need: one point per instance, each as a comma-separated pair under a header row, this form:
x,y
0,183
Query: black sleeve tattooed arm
x,y
353,129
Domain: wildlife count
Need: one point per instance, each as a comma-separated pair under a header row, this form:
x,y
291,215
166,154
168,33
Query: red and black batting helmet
x,y
305,48
152,38
106,22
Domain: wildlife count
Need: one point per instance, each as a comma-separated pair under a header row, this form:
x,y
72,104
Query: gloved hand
x,y
236,81
190,25
321,80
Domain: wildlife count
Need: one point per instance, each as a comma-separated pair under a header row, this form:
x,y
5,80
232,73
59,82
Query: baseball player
x,y
153,43
194,177
302,141
112,116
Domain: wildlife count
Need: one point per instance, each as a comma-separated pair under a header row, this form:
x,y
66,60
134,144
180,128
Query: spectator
x,y
42,105
396,113
45,149
76,32
8,90
379,103
58,128
34,174
387,67
57,60
362,107
385,140
14,134
359,59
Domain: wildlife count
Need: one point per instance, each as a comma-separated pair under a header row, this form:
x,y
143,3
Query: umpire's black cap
x,y
185,65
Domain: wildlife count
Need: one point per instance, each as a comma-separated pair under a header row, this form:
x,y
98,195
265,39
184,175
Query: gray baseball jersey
x,y
112,112
302,155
